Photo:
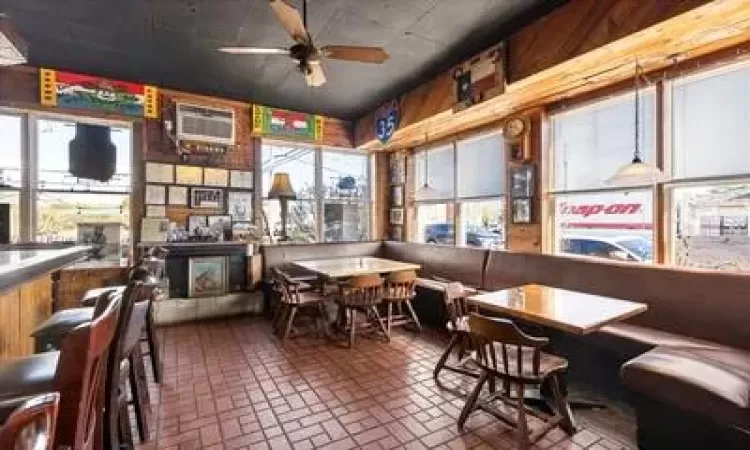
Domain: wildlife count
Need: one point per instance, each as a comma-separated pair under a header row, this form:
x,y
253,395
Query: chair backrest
x,y
400,285
456,304
285,287
362,290
32,424
489,333
80,376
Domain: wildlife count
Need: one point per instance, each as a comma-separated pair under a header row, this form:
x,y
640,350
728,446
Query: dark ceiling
x,y
171,43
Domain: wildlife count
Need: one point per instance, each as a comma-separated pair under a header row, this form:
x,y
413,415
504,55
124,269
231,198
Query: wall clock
x,y
516,132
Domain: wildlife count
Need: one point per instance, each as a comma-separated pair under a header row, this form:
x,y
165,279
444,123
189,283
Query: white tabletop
x,y
348,267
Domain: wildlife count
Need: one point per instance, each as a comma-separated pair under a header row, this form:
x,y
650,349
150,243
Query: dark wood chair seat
x,y
31,375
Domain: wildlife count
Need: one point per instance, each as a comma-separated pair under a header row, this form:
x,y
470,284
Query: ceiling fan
x,y
304,52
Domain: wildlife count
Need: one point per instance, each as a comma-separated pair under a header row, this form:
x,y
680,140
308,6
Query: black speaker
x,y
92,155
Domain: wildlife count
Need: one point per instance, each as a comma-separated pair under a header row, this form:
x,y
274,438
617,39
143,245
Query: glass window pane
x,y
297,161
11,198
345,175
53,139
437,167
614,225
592,142
711,117
710,226
10,151
435,224
483,224
300,220
345,221
481,166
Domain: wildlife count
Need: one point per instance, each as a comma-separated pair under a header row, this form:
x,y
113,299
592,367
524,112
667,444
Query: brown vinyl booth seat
x,y
691,384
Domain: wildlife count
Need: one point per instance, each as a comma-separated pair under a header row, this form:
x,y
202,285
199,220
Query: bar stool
x,y
76,372
399,291
507,354
458,309
32,424
361,293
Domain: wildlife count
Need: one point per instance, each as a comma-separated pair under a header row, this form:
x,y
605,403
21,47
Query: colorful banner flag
x,y
274,122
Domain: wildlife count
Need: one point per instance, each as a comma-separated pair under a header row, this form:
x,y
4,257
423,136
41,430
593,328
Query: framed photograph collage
x,y
397,195
522,192
214,195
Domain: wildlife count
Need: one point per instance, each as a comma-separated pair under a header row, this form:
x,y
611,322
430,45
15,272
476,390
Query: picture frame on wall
x,y
156,194
241,179
522,210
397,216
159,173
178,195
154,229
196,221
397,233
215,177
156,211
223,221
397,167
522,181
397,196
240,206
207,276
189,175
202,197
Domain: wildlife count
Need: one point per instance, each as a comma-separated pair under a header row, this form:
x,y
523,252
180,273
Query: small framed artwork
x,y
154,229
206,198
241,179
190,175
397,196
397,233
244,231
397,167
159,173
207,276
156,211
522,210
223,222
215,177
397,216
240,205
178,195
156,194
196,222
522,181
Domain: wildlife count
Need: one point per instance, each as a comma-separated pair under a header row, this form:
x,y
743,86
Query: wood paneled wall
x,y
74,282
21,310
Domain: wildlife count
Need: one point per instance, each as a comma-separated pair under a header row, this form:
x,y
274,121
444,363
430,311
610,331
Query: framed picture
x,y
241,179
154,229
522,181
244,231
397,167
190,175
178,195
156,211
159,173
522,210
397,233
156,194
397,196
221,221
194,222
206,198
397,216
240,205
215,177
207,276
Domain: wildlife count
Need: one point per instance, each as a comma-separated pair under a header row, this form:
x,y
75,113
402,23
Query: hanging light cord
x,y
638,74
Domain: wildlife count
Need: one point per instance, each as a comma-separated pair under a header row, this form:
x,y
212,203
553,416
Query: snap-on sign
x,y
587,210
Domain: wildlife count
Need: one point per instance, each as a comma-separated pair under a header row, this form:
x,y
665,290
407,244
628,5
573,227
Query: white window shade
x,y
481,166
592,142
436,165
711,117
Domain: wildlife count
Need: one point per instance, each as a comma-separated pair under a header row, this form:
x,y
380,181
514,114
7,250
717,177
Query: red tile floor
x,y
231,384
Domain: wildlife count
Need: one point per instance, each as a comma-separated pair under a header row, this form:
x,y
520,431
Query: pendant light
x,y
637,172
426,191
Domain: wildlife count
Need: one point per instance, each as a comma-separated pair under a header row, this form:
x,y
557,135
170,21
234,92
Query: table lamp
x,y
281,188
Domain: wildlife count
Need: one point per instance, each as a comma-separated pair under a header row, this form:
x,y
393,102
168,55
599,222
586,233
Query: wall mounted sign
x,y
75,91
274,122
386,121
480,78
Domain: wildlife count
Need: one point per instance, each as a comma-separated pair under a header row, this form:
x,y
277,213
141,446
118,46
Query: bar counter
x,y
26,292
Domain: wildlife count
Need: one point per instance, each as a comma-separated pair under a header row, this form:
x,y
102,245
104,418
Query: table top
x,y
570,311
348,267
20,266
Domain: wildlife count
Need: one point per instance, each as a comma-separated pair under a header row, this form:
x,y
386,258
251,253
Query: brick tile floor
x,y
232,385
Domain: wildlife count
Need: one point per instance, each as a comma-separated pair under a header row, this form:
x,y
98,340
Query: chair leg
x,y
352,330
472,399
389,318
444,357
523,426
413,315
123,417
563,407
280,319
380,323
289,322
138,393
154,352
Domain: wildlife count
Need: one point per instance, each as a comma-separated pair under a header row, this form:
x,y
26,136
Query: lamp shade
x,y
281,187
637,173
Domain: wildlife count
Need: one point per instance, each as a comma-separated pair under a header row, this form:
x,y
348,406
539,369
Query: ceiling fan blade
x,y
254,51
291,20
315,76
375,55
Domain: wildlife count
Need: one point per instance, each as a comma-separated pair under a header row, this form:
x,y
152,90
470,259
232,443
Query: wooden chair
x,y
458,309
399,291
361,293
292,300
31,426
507,354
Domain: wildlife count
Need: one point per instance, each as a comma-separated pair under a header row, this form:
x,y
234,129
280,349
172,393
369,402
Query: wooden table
x,y
570,311
349,267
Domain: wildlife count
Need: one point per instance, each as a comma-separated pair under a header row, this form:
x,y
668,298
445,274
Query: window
x,y
11,174
588,145
460,190
332,188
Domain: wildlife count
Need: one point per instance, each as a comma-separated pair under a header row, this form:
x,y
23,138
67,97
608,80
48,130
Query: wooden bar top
x,y
349,267
570,311
23,265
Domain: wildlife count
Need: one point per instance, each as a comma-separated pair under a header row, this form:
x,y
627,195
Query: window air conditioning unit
x,y
202,124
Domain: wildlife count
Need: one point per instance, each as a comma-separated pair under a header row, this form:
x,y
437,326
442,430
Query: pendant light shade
x,y
637,172
426,191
